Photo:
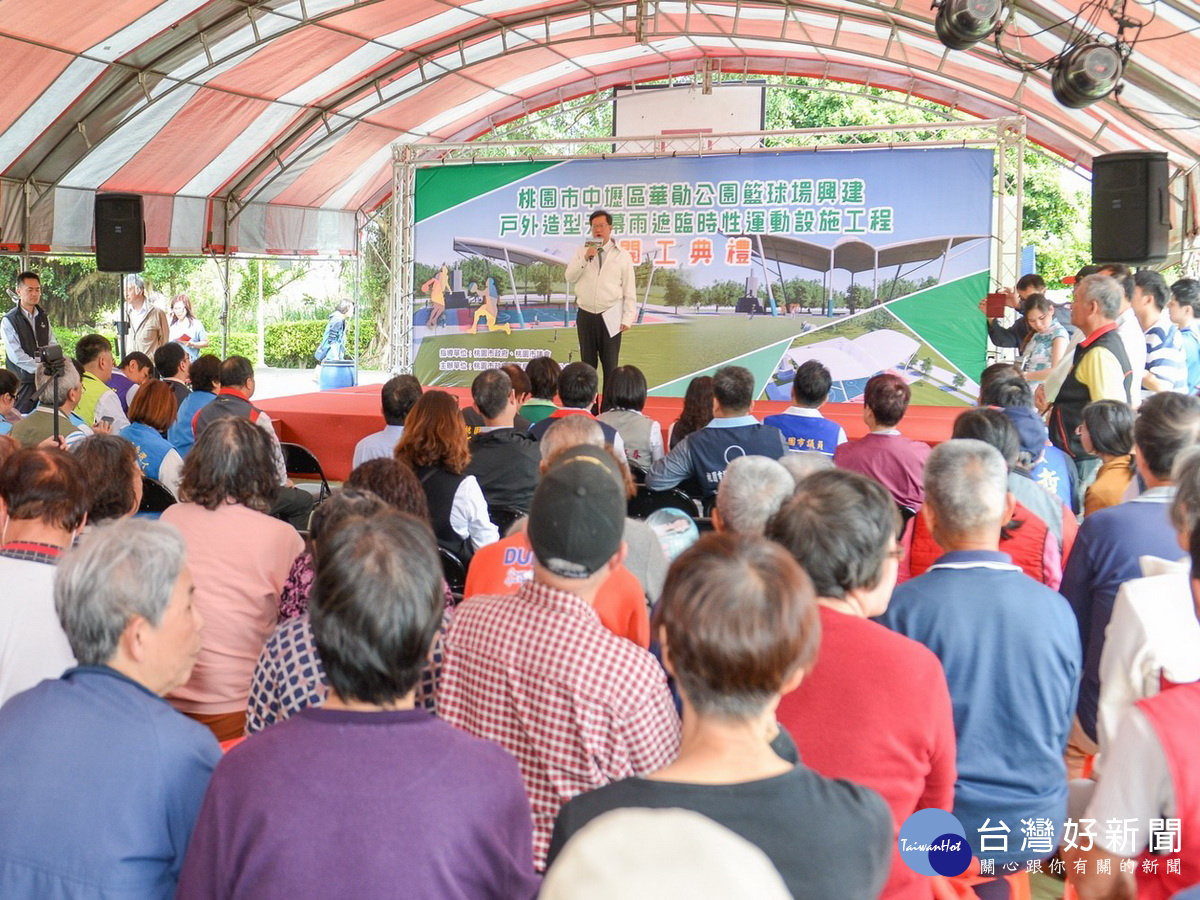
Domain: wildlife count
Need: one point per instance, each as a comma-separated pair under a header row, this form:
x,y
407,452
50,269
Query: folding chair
x,y
300,462
155,497
503,517
453,570
646,501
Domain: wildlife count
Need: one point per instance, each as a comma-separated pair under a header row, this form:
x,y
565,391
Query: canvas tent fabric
x,y
266,126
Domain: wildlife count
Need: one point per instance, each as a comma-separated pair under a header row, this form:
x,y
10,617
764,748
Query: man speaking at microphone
x,y
606,302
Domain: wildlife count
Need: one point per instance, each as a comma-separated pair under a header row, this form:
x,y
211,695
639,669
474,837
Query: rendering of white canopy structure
x,y
851,254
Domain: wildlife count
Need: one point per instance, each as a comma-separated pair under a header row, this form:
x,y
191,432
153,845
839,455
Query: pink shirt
x,y
239,560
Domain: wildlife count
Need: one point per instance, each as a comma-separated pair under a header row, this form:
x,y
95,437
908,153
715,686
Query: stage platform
x,y
330,423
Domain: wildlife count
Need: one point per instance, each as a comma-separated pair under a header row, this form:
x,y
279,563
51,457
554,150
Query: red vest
x,y
1026,544
1175,717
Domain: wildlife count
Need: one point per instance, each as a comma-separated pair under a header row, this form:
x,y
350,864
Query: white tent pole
x,y
400,284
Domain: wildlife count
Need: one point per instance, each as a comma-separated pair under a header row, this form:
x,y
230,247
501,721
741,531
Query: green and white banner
x,y
868,260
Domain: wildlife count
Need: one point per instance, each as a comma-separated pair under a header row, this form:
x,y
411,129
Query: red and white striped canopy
x,y
277,117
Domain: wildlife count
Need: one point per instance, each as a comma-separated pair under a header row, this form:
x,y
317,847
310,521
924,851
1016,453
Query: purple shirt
x,y
389,804
896,462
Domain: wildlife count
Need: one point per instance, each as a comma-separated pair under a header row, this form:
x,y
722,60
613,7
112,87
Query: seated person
x,y
803,426
588,707
1002,386
434,443
875,708
98,401
236,376
240,557
43,506
828,839
150,415
650,852
993,427
39,424
1112,542
521,392
174,365
205,374
134,770
696,412
1148,786
1107,433
9,387
702,456
1153,639
390,480
1006,643
113,478
577,386
751,492
289,675
884,453
505,566
504,459
135,369
429,810
624,400
543,374
398,395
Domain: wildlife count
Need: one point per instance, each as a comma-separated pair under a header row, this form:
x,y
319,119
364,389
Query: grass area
x,y
664,352
926,394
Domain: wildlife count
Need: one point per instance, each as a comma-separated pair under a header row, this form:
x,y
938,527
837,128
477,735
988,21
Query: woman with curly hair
x,y
239,557
434,443
697,410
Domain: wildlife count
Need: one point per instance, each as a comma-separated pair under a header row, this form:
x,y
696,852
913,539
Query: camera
x,y
52,360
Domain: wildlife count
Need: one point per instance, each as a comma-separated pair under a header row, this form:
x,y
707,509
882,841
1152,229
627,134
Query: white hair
x,y
966,485
751,491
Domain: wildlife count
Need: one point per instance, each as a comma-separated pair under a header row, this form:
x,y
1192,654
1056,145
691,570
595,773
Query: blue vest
x,y
180,434
806,432
152,448
712,449
1056,473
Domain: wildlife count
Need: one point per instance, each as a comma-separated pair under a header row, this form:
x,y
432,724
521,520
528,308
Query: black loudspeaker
x,y
1131,220
120,233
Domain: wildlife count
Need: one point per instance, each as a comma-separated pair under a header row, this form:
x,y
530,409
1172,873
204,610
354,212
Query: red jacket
x,y
1027,539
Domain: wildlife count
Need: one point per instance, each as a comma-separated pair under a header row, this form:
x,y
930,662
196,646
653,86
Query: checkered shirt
x,y
32,551
290,676
576,705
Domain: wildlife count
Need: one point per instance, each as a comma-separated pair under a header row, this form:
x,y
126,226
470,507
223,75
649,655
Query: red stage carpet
x,y
330,423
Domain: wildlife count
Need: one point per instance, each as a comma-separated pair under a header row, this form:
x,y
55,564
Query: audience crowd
x,y
470,670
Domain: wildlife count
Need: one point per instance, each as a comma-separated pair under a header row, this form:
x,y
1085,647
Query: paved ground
x,y
271,383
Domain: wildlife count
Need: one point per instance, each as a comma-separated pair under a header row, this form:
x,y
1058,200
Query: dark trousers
x,y
595,344
294,506
26,402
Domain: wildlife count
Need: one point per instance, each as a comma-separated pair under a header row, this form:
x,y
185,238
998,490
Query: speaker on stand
x,y
120,244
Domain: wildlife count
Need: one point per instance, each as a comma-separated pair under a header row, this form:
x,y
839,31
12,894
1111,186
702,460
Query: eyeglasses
x,y
896,553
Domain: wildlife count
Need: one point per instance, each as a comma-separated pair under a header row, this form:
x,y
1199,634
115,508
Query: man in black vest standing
x,y
26,331
1101,370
